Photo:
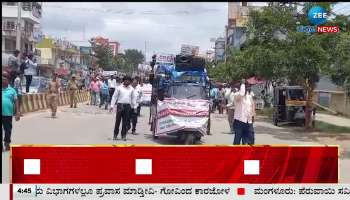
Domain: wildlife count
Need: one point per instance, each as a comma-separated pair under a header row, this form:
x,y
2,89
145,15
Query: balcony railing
x,y
45,61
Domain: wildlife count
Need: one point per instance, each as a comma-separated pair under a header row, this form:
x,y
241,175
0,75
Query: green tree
x,y
340,68
105,57
275,51
119,62
133,57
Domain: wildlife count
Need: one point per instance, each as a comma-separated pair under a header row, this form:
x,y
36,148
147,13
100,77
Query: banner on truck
x,y
165,58
146,93
176,115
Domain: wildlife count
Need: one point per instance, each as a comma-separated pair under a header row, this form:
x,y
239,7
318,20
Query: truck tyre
x,y
274,118
208,127
154,130
189,140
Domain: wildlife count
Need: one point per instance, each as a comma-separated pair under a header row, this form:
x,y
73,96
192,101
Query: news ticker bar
x,y
181,191
174,164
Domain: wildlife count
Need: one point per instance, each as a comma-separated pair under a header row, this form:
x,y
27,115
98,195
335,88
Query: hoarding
x,y
165,58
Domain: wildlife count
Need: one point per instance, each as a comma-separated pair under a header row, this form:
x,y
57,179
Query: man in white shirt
x,y
123,97
137,94
112,84
244,116
230,106
139,86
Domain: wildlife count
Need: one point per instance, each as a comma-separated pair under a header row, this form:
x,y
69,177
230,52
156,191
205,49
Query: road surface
x,y
91,125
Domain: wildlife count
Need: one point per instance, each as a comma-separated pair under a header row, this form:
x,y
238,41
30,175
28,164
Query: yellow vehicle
x,y
289,105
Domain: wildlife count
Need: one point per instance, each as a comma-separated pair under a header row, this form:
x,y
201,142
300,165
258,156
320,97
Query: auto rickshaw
x,y
289,104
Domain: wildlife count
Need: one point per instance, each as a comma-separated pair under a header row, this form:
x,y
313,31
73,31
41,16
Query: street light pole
x,y
18,34
145,50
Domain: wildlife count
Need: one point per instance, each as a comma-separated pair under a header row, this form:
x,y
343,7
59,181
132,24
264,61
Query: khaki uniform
x,y
53,96
72,89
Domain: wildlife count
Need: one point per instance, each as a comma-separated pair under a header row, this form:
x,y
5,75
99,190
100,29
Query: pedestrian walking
x,y
94,91
30,70
104,93
112,84
123,96
214,97
221,99
14,66
72,90
243,116
137,94
230,106
9,109
100,80
53,94
250,137
18,88
140,85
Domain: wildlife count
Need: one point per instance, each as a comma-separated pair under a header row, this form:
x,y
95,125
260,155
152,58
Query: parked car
x,y
39,84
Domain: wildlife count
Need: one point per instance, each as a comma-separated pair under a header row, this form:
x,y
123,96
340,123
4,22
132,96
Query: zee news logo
x,y
317,16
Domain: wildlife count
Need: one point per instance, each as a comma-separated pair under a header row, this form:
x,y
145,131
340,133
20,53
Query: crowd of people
x,y
123,95
20,66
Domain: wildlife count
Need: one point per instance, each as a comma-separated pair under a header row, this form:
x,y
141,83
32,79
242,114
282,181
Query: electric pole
x,y
145,50
18,34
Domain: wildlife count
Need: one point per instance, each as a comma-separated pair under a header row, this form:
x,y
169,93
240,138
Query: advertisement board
x,y
146,93
165,58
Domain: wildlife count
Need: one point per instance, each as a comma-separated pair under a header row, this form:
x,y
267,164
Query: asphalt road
x,y
91,125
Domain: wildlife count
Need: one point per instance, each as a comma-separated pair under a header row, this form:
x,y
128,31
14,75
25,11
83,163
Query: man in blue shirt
x,y
104,93
10,108
214,96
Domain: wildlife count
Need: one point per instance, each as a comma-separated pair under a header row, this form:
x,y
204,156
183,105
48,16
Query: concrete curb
x,y
35,102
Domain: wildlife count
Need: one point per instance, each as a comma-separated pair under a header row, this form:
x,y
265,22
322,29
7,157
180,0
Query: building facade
x,y
58,55
220,49
30,15
210,55
114,47
331,96
238,15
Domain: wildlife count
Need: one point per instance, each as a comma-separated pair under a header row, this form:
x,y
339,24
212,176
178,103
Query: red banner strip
x,y
175,164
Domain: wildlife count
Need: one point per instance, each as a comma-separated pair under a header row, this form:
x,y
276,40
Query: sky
x,y
162,26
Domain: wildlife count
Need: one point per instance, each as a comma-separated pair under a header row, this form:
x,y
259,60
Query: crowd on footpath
x,y
238,101
123,95
20,66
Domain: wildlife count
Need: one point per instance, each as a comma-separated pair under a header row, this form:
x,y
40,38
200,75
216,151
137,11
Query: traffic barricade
x,y
40,101
35,101
44,101
24,105
65,98
30,103
60,99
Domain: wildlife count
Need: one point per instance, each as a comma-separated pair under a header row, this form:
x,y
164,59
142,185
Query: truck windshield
x,y
297,94
187,92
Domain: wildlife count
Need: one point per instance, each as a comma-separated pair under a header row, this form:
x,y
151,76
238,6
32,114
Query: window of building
x,y
324,99
9,3
10,45
10,25
27,6
244,3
